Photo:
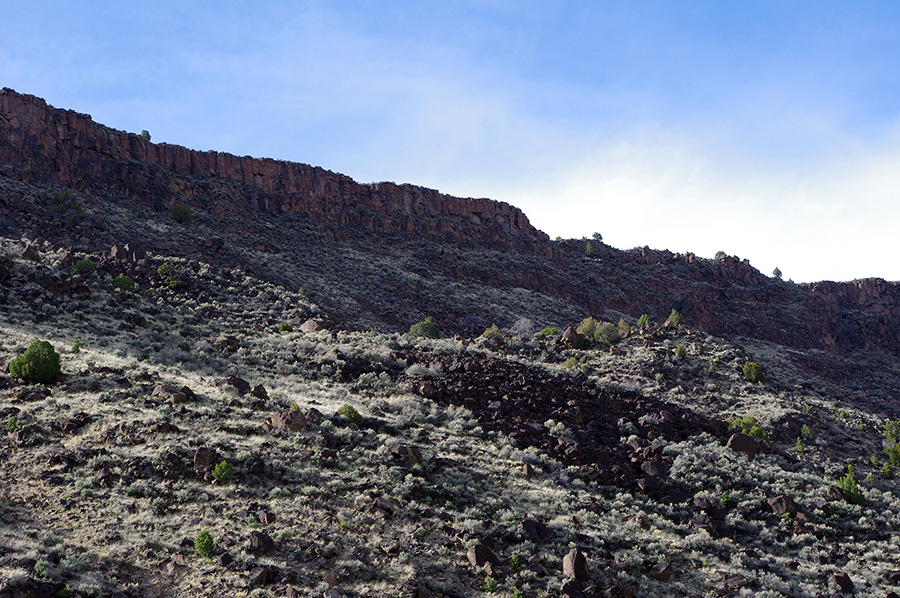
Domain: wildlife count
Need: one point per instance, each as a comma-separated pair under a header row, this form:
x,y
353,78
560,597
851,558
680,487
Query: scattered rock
x,y
575,565
783,504
479,555
31,253
535,531
408,456
528,471
571,588
263,575
572,339
239,384
289,420
178,396
260,543
311,325
225,559
744,444
205,459
385,506
842,581
662,571
618,591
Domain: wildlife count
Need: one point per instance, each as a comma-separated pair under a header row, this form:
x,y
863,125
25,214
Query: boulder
x,y
575,566
744,444
289,420
479,555
260,543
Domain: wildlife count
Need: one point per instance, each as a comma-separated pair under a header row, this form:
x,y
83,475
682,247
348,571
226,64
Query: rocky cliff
x,y
493,247
69,148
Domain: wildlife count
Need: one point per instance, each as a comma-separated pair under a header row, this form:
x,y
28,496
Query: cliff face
x,y
71,149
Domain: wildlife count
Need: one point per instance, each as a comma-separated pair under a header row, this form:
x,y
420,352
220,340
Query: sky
x,y
769,130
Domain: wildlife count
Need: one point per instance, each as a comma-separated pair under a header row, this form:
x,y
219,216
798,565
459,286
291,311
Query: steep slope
x,y
386,255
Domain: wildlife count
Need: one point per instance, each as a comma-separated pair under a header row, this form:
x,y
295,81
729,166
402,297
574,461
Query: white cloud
x,y
835,219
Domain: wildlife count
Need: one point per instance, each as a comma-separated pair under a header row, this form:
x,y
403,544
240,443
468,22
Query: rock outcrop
x,y
69,148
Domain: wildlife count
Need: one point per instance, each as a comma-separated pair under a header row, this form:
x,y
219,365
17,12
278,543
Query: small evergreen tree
x,y
425,329
39,363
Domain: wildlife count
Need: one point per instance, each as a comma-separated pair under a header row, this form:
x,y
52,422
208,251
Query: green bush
x,y
204,544
85,266
425,329
753,372
887,472
675,317
588,249
285,327
750,426
549,331
76,346
490,584
169,275
850,487
223,472
145,134
39,363
123,282
571,363
181,213
644,321
680,352
892,441
492,331
349,413
807,432
597,331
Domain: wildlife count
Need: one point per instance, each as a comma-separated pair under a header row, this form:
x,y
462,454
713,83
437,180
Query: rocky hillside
x,y
274,381
288,210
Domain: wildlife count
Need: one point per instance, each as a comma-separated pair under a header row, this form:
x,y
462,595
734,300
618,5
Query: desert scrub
x,y
493,331
680,352
753,372
549,331
85,266
203,544
645,321
39,363
675,317
425,329
349,413
223,472
123,282
181,213
597,331
169,275
285,327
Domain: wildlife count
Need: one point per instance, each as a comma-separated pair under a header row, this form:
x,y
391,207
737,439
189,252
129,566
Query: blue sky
x,y
768,130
